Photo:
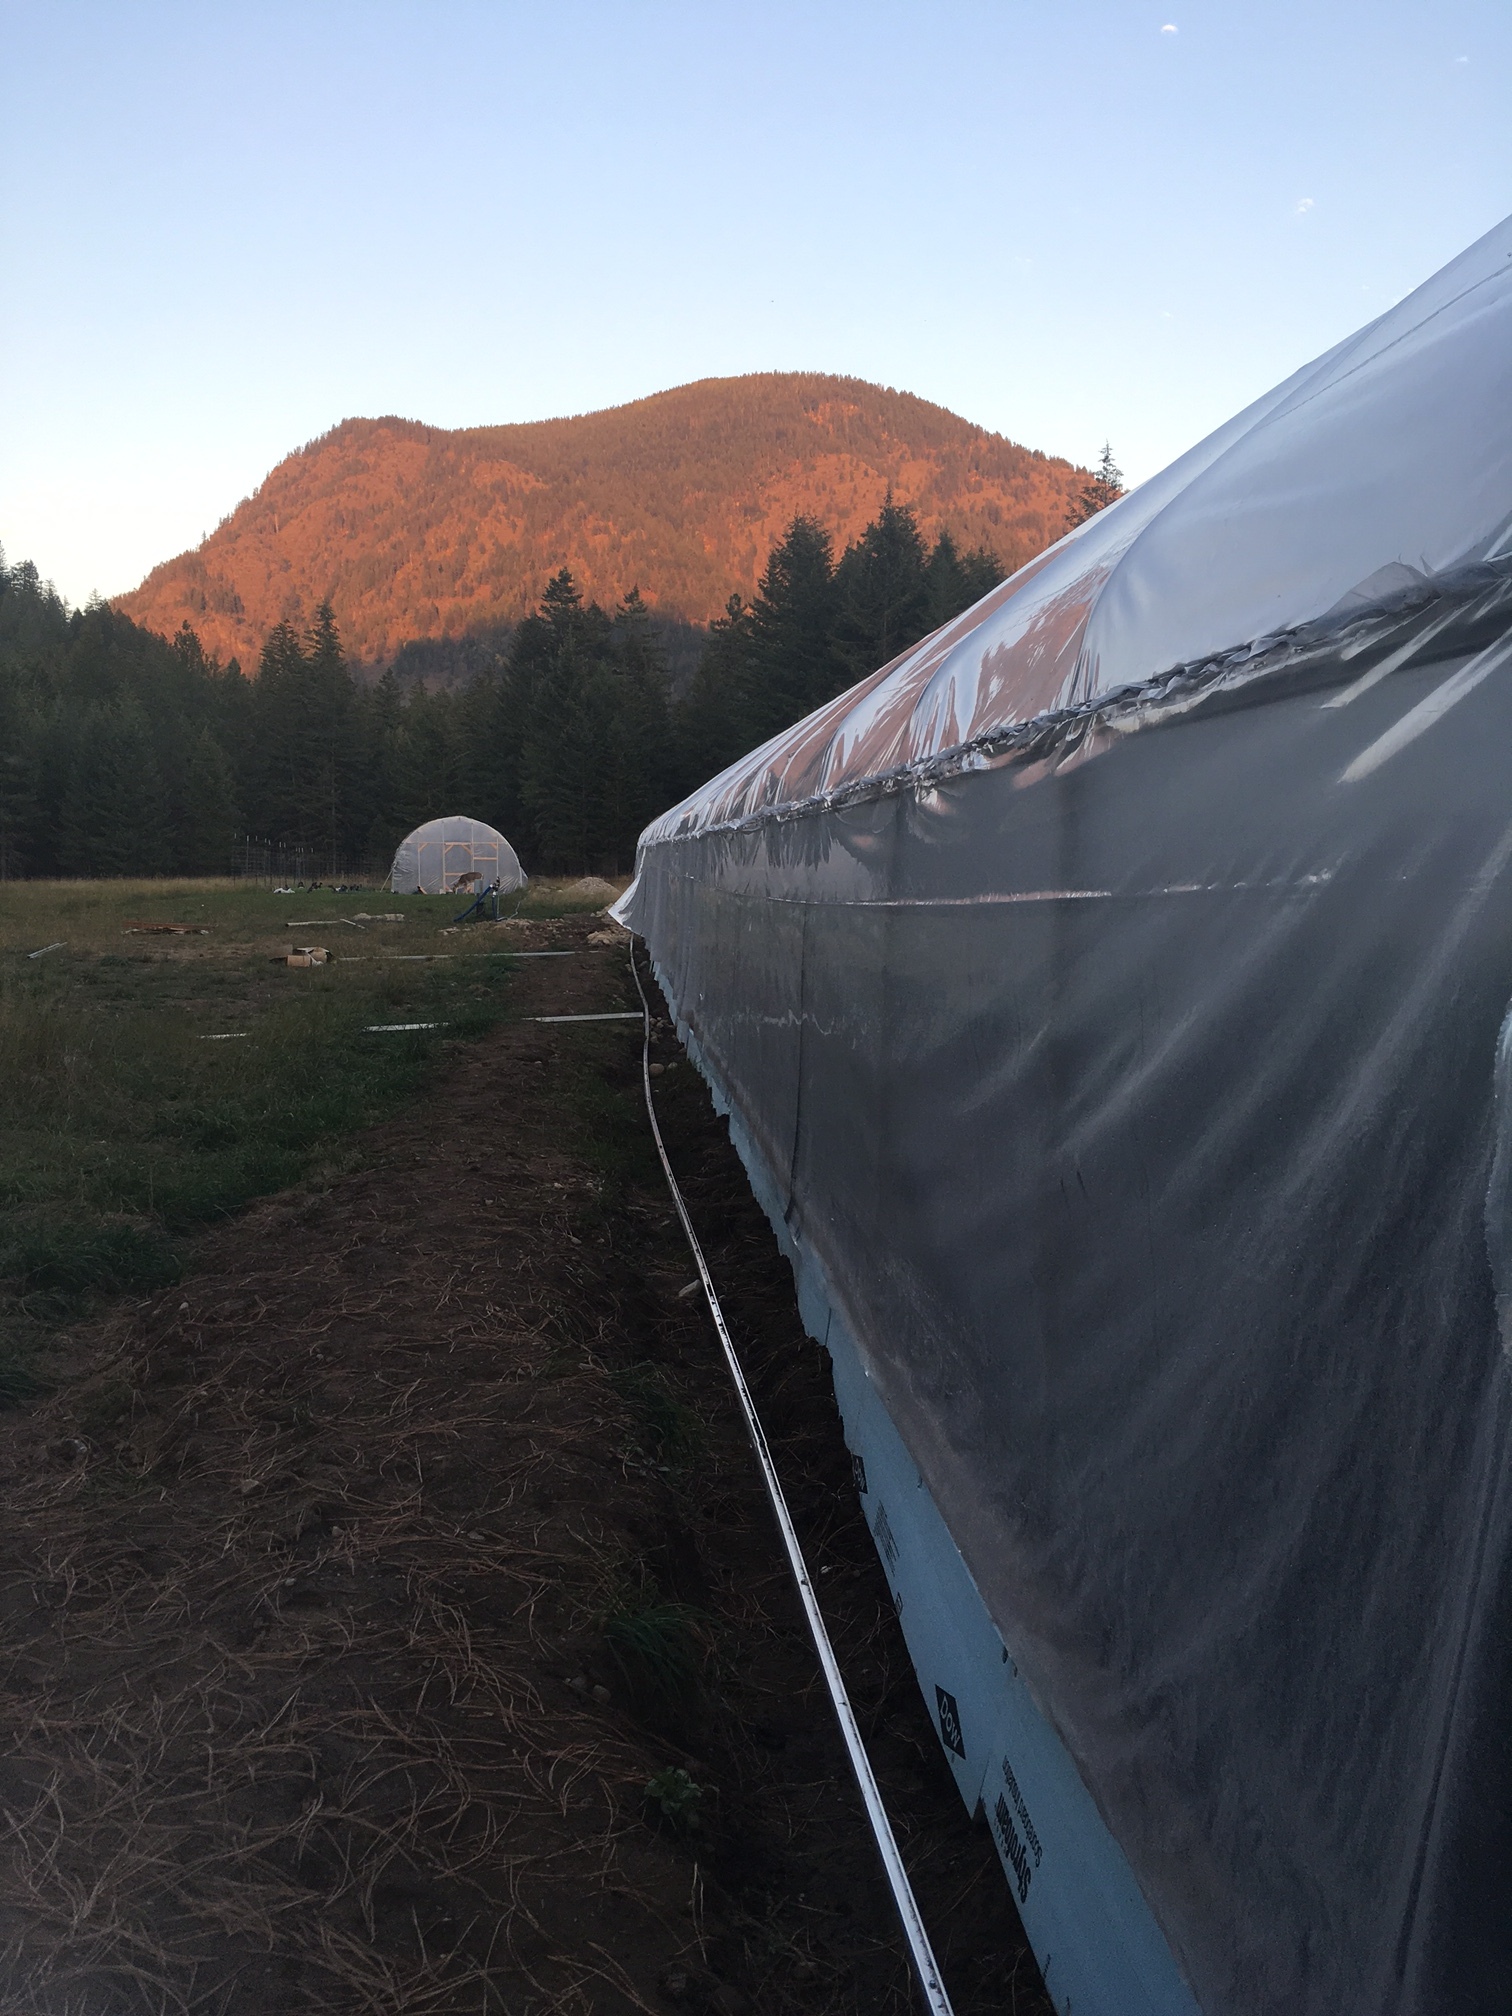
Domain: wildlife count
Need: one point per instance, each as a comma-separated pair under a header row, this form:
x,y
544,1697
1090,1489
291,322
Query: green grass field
x,y
124,1129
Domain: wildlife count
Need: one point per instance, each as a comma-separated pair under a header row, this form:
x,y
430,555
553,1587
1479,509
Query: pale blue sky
x,y
228,226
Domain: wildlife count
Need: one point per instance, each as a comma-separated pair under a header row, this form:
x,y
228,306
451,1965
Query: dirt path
x,y
355,1592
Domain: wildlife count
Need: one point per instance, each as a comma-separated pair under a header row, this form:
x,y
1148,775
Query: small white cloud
x,y
1170,29
1462,59
1305,204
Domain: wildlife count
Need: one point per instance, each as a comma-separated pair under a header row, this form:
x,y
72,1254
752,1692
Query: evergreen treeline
x,y
816,627
122,753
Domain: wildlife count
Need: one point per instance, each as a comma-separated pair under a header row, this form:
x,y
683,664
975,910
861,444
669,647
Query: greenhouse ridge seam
x,y
1466,595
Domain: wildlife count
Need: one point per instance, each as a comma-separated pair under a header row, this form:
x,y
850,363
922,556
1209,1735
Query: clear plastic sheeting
x,y
1370,474
1112,999
447,856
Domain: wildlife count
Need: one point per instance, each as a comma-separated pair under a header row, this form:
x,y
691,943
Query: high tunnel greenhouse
x,y
454,855
1110,1000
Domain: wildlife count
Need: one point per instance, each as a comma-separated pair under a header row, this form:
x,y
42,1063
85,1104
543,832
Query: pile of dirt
x,y
393,1617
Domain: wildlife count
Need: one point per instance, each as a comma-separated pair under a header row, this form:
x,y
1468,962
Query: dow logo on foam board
x,y
950,1723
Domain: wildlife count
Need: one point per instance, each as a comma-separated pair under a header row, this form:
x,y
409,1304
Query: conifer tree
x,y
945,582
276,735
114,818
558,759
638,753
228,715
473,715
1103,487
884,595
791,662
209,820
542,743
378,821
711,725
981,572
189,655
328,728
18,793
306,751
955,580
429,779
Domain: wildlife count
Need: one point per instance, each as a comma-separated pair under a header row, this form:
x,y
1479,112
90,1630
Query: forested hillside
x,y
124,753
412,532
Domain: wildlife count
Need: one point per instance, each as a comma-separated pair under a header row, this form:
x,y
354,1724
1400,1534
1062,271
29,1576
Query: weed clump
x,y
667,1429
655,1650
678,1798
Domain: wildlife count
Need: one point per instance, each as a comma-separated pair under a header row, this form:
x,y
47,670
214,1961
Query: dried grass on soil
x,y
356,1590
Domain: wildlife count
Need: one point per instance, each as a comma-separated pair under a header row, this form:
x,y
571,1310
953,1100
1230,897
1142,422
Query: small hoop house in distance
x,y
445,856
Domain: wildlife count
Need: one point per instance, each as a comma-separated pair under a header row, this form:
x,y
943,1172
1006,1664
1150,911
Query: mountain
x,y
418,532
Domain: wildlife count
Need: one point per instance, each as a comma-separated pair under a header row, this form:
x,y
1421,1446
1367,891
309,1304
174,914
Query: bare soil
x,y
355,1591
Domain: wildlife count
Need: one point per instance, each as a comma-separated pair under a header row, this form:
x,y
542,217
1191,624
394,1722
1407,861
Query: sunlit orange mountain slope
x,y
415,531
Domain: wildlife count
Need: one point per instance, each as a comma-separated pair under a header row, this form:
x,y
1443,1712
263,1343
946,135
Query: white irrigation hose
x,y
897,1876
